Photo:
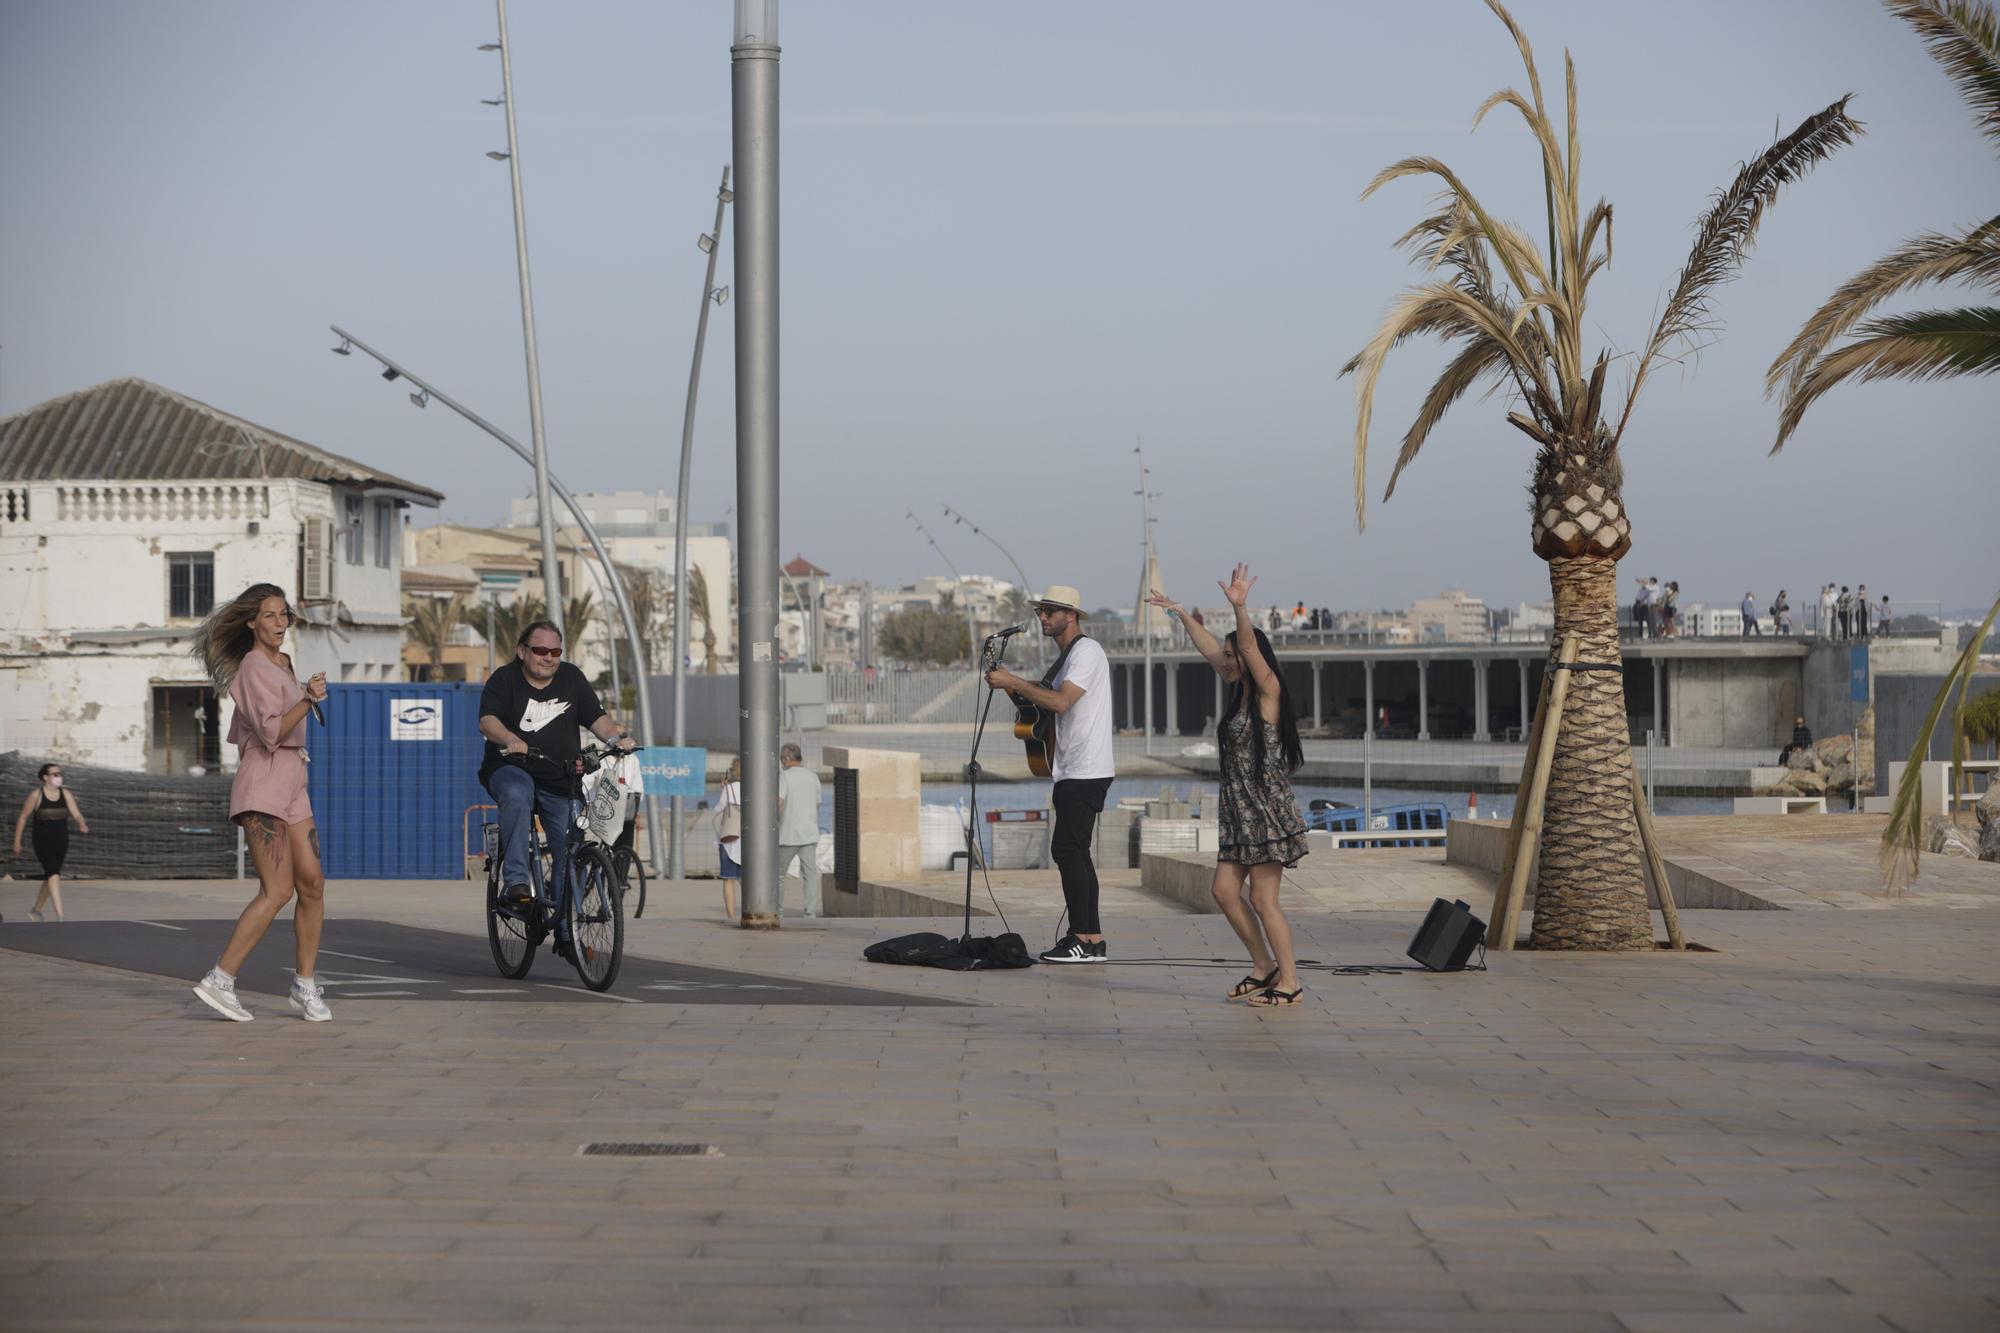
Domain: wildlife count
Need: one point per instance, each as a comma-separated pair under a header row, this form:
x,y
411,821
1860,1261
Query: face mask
x,y
56,781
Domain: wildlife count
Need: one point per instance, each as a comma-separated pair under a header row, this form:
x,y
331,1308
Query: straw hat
x,y
1062,597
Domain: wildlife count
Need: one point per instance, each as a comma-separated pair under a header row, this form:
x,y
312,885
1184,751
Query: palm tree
x,y
1516,317
510,621
1964,38
433,622
579,614
698,608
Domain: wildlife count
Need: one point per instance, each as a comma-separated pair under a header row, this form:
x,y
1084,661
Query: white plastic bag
x,y
608,794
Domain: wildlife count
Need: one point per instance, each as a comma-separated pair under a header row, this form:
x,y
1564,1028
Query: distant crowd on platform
x,y
1844,614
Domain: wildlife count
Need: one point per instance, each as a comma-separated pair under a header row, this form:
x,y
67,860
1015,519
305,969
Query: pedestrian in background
x,y
1882,615
729,835
51,806
1827,602
1781,614
1861,609
1750,625
1640,603
798,825
1669,609
1843,612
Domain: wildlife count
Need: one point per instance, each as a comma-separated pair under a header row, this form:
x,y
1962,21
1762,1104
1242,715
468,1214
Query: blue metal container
x,y
392,778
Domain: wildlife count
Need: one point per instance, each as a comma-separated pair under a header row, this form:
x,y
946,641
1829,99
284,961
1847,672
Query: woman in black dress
x,y
51,807
1261,833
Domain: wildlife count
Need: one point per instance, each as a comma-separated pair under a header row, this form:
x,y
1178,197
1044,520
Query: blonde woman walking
x,y
241,648
1260,831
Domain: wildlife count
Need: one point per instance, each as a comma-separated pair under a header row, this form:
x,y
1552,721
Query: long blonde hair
x,y
223,639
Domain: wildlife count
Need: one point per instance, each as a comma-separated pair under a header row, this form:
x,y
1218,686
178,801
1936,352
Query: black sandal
x,y
1273,998
1251,985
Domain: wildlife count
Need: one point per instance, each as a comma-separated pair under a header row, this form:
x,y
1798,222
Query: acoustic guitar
x,y
1034,726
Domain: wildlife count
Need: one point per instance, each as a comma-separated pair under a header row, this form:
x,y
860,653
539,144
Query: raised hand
x,y
1237,590
1165,603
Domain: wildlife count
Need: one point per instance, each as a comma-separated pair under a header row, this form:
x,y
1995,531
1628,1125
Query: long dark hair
x,y
1293,753
224,638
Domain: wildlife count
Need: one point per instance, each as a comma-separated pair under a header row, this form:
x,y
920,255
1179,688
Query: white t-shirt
x,y
1083,734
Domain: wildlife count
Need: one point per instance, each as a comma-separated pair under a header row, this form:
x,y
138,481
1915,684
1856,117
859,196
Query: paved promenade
x,y
1797,1131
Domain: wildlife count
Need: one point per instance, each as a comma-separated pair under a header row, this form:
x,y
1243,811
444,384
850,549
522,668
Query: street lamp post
x,y
753,81
551,571
711,244
395,370
1145,612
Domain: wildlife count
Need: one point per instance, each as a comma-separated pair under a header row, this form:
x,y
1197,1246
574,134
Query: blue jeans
x,y
520,799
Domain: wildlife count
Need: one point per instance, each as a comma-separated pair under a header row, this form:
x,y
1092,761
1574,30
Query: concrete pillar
x,y
1368,695
1659,713
1423,698
1317,664
1480,730
1173,717
1527,722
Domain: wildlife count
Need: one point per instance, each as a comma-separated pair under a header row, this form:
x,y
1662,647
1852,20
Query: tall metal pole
x,y
1145,583
1027,588
753,82
625,613
965,601
676,853
551,571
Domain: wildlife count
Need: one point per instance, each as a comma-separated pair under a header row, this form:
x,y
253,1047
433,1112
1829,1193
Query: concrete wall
x,y
1829,711
1901,702
1732,701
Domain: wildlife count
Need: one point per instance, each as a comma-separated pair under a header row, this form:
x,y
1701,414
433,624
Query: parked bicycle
x,y
586,914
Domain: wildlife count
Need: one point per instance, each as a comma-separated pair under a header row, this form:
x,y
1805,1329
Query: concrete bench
x,y
1780,805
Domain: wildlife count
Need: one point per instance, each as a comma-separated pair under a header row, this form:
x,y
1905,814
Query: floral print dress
x,y
1260,821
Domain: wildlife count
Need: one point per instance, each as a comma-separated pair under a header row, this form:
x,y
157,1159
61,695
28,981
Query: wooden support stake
x,y
1516,890
1513,844
1649,843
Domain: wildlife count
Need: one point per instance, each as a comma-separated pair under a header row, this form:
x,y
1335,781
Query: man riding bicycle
x,y
541,702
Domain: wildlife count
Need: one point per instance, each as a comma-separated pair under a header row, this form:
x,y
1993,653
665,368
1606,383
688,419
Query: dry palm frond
x,y
1972,257
1433,307
1903,839
1521,261
1965,39
1729,228
1923,345
1481,357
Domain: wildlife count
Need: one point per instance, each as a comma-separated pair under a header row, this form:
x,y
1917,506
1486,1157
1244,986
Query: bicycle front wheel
x,y
596,920
632,875
512,938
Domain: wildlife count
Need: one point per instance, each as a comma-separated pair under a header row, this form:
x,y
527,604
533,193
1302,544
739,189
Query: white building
x,y
127,511
1454,616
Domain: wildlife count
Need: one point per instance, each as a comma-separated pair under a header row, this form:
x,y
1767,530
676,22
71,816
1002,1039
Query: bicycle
x,y
591,907
631,868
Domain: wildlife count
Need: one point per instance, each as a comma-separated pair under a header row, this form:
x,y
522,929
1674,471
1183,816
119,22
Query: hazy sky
x,y
1015,236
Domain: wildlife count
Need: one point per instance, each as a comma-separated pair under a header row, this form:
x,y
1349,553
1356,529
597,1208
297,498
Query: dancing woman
x,y
240,647
1260,831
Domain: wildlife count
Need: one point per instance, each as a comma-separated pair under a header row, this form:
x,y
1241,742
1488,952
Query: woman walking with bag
x,y
1260,831
51,807
240,647
729,835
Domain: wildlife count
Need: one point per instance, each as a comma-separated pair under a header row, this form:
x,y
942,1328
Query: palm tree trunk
x,y
1590,892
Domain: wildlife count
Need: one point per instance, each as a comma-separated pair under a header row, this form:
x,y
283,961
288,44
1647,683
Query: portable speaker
x,y
1448,936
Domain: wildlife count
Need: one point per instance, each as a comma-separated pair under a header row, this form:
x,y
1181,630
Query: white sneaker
x,y
309,998
218,992
35,915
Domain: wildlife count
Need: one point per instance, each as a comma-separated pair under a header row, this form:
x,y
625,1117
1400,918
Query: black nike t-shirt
x,y
548,719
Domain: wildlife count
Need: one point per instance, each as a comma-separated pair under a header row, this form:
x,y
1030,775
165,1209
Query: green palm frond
x,y
433,621
1964,38
1903,839
1972,257
1726,232
1481,357
1922,345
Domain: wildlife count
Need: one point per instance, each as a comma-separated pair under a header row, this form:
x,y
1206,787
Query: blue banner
x,y
1857,673
672,771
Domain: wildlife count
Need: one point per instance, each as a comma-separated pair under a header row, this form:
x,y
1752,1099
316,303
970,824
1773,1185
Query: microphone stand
x,y
972,771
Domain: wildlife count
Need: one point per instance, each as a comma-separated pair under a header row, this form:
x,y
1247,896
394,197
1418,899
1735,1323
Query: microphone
x,y
1010,631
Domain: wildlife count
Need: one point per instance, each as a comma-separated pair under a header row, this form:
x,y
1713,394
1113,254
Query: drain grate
x,y
649,1150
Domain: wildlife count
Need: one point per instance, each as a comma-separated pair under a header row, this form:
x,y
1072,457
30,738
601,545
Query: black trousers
x,y
1076,802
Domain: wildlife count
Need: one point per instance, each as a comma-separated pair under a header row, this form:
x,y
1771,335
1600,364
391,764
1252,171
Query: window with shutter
x,y
315,560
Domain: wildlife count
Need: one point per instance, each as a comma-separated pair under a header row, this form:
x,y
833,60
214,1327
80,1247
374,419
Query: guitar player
x,y
1078,693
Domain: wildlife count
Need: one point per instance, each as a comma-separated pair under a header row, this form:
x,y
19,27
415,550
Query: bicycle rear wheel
x,y
632,875
512,938
596,920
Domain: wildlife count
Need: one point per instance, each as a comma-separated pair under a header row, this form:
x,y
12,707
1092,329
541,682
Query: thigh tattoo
x,y
270,834
312,839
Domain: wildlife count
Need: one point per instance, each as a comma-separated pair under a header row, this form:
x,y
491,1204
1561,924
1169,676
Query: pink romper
x,y
270,769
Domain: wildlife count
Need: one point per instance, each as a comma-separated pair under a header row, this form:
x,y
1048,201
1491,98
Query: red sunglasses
x,y
544,652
